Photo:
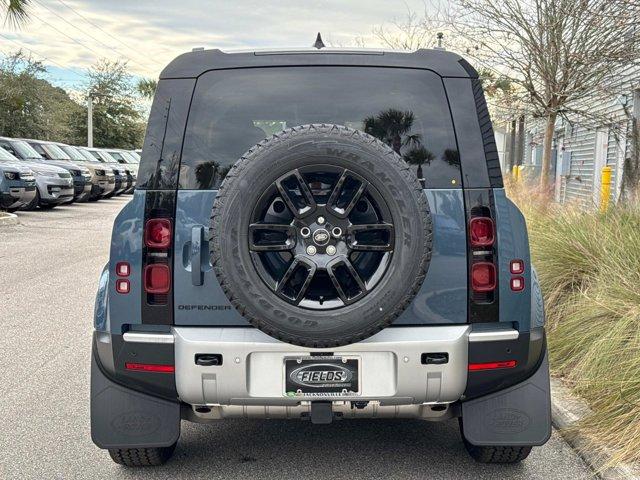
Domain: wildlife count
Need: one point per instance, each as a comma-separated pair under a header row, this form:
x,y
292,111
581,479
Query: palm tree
x,y
390,126
393,127
15,11
147,87
419,156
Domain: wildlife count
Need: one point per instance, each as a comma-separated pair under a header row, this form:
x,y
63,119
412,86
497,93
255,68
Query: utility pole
x,y
89,122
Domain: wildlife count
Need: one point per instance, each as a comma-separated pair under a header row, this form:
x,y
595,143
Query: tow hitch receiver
x,y
321,413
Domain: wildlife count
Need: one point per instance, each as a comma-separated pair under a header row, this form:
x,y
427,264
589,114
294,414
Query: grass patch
x,y
589,269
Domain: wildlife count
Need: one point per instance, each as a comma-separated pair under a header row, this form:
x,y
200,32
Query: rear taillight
x,y
157,278
149,367
123,286
123,269
516,267
483,277
156,275
157,233
517,284
481,232
482,255
475,367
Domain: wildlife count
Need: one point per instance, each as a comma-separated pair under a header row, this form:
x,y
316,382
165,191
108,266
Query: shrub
x,y
589,269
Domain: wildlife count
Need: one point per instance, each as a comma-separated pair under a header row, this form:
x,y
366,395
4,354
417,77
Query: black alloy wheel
x,y
321,237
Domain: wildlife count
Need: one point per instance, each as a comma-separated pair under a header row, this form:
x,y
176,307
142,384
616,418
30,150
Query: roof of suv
x,y
195,63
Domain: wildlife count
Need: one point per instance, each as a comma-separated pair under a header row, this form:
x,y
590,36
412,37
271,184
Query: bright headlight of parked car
x,y
11,175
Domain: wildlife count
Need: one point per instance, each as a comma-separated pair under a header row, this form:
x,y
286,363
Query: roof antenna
x,y
319,43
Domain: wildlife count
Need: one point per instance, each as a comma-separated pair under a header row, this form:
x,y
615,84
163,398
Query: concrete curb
x,y
7,218
566,410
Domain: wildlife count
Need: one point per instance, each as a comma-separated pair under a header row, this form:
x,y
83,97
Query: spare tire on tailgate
x,y
321,235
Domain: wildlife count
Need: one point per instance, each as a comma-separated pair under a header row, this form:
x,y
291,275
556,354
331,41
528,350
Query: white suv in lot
x,y
54,184
17,183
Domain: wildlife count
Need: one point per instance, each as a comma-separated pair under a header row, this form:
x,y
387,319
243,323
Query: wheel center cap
x,y
321,237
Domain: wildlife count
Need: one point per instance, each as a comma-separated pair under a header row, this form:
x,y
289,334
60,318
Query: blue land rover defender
x,y
319,235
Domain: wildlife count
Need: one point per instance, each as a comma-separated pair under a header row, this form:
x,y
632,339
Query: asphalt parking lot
x,y
49,267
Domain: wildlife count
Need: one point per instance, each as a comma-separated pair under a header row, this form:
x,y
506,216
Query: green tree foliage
x,y
30,106
147,87
14,11
393,127
118,121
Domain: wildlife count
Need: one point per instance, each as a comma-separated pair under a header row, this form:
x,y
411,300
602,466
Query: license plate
x,y
321,376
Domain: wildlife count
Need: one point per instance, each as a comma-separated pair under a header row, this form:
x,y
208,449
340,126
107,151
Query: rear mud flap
x,y
517,416
124,418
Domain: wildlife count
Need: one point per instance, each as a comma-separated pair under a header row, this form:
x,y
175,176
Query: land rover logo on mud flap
x,y
321,375
320,236
136,423
507,420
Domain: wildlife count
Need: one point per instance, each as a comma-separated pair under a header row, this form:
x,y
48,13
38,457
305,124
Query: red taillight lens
x,y
517,284
157,278
483,277
474,367
123,269
157,233
122,286
481,232
516,266
148,367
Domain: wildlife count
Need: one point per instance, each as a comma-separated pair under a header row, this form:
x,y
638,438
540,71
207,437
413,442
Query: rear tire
x,y
330,150
497,454
494,454
142,457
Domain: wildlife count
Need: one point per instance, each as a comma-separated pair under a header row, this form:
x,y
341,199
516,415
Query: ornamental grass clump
x,y
589,268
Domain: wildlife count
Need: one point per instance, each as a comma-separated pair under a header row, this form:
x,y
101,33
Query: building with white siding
x,y
583,147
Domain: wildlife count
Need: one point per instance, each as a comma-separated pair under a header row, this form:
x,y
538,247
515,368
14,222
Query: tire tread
x,y
141,457
236,171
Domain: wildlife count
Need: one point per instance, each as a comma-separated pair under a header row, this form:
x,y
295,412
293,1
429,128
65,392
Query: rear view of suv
x,y
319,235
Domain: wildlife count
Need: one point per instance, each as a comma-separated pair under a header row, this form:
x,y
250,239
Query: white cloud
x,y
150,33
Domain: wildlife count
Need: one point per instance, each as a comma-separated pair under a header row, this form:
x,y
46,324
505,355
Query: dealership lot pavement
x,y
49,267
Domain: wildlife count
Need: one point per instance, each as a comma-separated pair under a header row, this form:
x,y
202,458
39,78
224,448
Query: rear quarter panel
x,y
442,299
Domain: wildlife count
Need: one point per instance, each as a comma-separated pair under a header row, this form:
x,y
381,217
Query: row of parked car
x,y
37,173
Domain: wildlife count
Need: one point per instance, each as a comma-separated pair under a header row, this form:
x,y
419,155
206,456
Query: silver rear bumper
x,y
252,371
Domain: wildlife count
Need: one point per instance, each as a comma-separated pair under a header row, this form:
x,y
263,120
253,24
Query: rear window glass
x,y
233,110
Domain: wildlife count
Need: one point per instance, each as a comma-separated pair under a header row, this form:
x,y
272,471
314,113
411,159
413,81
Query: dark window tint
x,y
38,148
235,109
478,152
118,157
165,131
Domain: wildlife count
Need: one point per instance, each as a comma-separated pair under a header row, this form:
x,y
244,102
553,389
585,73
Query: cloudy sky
x,y
70,35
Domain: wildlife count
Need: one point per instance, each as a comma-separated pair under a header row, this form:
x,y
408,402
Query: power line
x,y
22,45
104,31
68,36
90,36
